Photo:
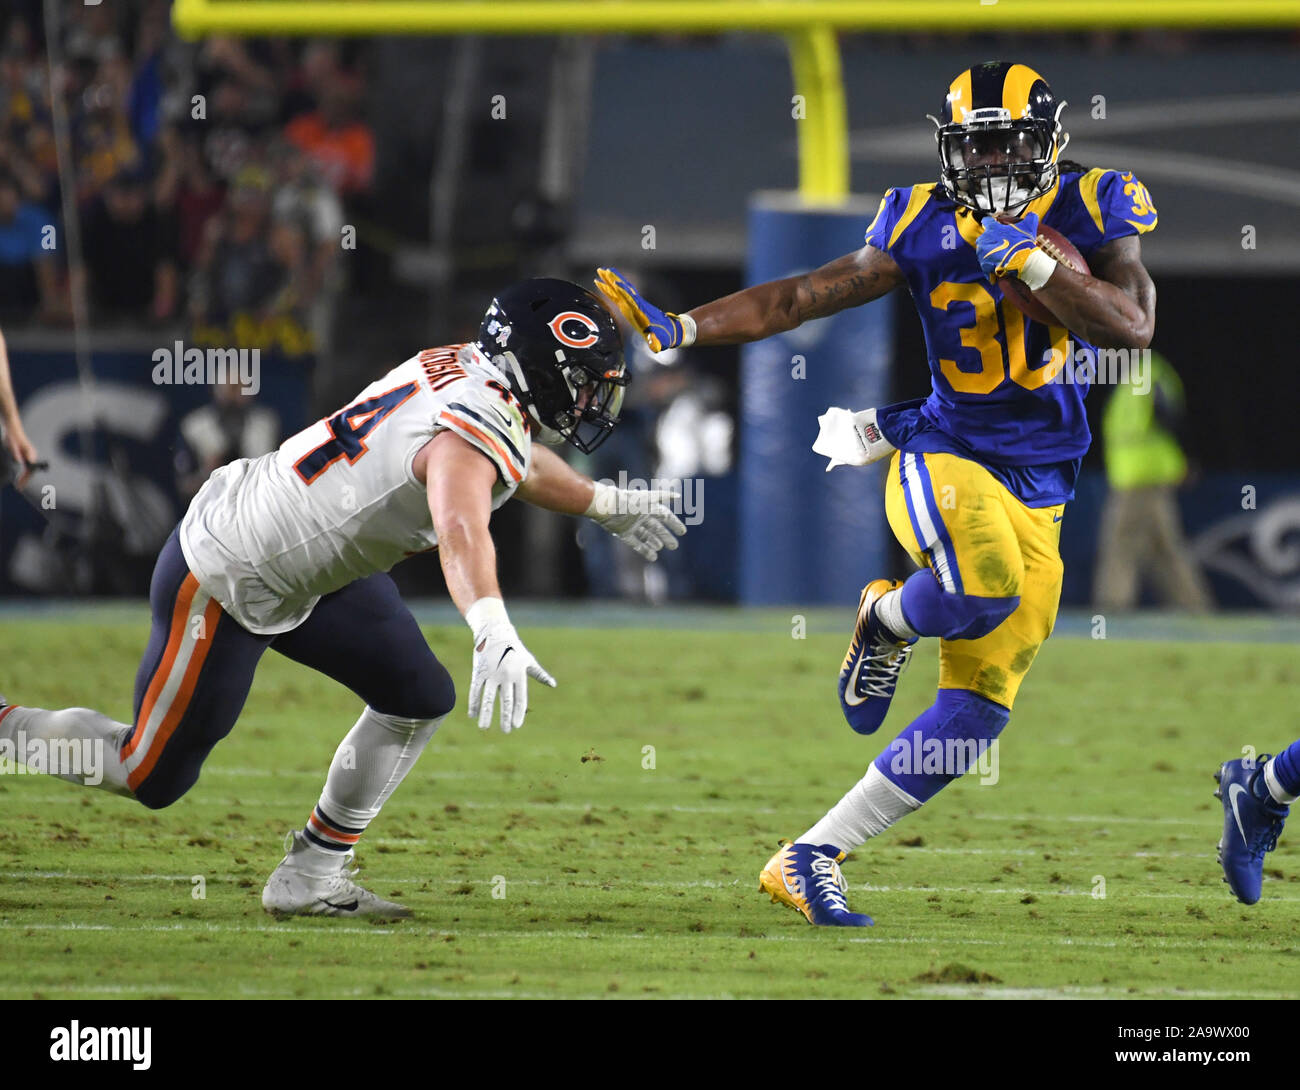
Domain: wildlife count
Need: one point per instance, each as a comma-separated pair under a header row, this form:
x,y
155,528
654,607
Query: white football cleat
x,y
310,883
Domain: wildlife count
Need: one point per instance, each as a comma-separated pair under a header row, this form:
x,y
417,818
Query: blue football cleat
x,y
808,879
875,658
1251,826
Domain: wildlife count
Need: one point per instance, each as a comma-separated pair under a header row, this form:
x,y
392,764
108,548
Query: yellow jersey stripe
x,y
1088,191
920,195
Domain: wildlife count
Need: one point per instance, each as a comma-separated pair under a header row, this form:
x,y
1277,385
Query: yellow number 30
x,y
1142,205
996,364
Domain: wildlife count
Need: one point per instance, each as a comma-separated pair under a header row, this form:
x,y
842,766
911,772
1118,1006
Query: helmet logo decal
x,y
572,338
499,332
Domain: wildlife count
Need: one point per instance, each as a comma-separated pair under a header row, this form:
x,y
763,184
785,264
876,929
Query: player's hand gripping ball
x,y
1004,249
1020,258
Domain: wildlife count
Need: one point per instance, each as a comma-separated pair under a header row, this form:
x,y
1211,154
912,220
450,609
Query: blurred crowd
x,y
212,182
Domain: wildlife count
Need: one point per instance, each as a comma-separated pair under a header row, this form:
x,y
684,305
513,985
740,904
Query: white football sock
x,y
75,744
889,608
367,767
1280,795
871,806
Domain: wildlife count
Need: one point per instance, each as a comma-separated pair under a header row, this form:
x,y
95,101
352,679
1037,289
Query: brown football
x,y
1059,247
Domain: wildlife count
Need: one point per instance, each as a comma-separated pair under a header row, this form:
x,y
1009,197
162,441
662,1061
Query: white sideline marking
x,y
574,807
330,928
803,934
1071,991
514,804
627,885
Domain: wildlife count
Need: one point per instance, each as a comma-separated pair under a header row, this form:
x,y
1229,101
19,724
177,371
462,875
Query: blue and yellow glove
x,y
1011,249
660,329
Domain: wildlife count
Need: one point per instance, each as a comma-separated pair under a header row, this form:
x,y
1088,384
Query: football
x,y
1059,247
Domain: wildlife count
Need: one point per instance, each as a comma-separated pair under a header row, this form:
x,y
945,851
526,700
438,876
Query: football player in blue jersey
x,y
981,469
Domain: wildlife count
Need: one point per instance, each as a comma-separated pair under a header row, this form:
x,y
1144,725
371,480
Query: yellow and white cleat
x,y
808,879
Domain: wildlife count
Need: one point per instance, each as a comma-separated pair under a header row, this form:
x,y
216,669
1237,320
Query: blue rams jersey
x,y
995,392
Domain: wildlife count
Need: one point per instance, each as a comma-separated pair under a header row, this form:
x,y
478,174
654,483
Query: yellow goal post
x,y
808,26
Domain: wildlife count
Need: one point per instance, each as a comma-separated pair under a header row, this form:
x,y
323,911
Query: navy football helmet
x,y
562,353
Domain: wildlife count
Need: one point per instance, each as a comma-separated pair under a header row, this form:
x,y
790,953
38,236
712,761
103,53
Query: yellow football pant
x,y
954,516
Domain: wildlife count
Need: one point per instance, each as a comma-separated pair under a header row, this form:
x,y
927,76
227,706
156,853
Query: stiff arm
x,y
780,305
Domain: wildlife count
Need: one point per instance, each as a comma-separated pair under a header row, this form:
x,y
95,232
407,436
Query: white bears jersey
x,y
267,537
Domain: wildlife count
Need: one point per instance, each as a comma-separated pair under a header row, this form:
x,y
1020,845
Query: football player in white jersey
x,y
291,551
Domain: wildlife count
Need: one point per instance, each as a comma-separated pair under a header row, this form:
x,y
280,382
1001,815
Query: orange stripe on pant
x,y
181,702
180,617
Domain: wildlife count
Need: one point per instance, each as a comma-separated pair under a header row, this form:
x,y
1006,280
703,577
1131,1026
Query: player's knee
x,y
160,795
980,717
424,693
969,616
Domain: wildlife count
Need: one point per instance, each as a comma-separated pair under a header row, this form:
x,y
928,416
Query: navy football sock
x,y
949,738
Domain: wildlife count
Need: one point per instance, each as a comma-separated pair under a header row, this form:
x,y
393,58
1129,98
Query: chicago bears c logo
x,y
570,317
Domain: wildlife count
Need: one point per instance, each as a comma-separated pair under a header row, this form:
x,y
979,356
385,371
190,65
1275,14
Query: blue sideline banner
x,y
808,537
111,449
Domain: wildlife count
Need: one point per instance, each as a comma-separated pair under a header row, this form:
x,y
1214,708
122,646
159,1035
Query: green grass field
x,y
614,880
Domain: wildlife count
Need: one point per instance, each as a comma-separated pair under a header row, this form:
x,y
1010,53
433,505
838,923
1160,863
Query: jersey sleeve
x,y
492,423
881,230
1118,205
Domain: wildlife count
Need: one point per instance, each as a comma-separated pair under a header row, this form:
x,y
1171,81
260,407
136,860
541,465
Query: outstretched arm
x,y
781,305
763,310
555,485
639,518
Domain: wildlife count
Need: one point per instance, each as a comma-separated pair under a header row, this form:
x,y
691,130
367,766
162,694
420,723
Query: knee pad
x,y
981,615
933,611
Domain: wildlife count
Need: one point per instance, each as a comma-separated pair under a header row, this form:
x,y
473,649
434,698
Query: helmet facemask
x,y
574,403
995,165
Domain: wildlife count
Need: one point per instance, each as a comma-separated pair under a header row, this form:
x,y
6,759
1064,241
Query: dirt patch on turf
x,y
955,974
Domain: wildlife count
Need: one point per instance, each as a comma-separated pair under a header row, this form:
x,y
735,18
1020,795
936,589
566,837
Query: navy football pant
x,y
199,664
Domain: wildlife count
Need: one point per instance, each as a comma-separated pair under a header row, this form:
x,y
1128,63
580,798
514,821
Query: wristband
x,y
602,502
688,330
1037,269
484,612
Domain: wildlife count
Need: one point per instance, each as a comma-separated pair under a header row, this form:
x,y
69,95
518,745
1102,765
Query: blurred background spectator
x,y
28,284
129,253
1141,529
232,426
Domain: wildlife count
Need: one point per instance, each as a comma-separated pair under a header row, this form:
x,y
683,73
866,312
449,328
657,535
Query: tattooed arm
x,y
780,305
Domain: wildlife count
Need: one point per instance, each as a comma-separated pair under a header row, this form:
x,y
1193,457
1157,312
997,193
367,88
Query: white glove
x,y
501,664
639,518
851,439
